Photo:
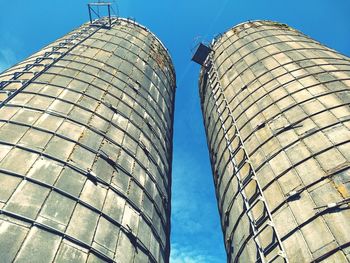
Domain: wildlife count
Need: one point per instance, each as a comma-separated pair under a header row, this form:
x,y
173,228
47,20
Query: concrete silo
x,y
276,112
86,148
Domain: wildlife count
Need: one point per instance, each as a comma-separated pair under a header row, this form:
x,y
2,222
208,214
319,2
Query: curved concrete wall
x,y
86,149
276,111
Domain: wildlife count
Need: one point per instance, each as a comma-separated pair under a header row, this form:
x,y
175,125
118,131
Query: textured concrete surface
x,y
86,149
276,111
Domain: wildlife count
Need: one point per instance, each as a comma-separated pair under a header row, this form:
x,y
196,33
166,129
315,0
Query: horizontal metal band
x,y
90,207
96,131
103,118
114,165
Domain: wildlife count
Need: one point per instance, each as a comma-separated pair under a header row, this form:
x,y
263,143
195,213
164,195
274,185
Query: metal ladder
x,y
258,225
58,51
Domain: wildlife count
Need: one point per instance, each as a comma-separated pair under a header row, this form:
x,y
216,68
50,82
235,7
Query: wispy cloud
x,y
189,204
7,58
195,218
180,254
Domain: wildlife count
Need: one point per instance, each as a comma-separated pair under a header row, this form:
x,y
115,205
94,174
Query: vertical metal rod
x,y
109,15
90,13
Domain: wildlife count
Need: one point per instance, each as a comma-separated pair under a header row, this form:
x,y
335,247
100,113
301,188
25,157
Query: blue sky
x,y
27,26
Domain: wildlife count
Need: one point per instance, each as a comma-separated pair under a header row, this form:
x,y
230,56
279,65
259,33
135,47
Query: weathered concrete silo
x,y
275,105
86,148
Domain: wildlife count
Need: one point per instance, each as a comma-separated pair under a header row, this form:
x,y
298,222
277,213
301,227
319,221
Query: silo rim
x,y
220,35
149,31
133,22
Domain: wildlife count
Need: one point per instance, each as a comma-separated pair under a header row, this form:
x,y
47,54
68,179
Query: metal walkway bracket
x,y
201,54
95,8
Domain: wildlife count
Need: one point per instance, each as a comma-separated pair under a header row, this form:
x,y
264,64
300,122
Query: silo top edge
x,y
134,23
127,20
217,39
